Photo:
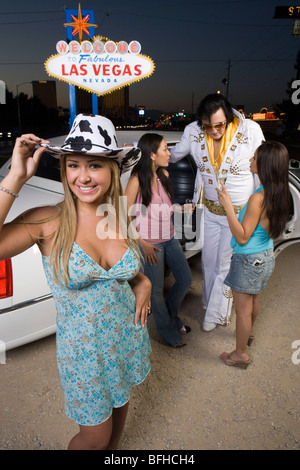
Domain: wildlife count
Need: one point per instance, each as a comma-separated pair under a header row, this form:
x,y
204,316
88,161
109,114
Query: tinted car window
x,y
49,167
182,174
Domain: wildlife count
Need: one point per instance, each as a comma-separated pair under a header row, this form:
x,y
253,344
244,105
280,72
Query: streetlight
x,y
18,103
2,92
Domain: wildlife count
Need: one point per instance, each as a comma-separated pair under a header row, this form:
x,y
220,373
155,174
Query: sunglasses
x,y
209,127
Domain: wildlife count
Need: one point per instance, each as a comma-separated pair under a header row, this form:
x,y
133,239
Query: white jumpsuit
x,y
240,183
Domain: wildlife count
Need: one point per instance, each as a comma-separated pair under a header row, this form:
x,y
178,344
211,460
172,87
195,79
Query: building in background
x,y
114,105
45,91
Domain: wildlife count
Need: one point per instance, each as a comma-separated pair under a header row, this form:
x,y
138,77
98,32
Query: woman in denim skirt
x,y
261,220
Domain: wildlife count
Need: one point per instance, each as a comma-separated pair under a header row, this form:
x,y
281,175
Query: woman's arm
x,y
131,192
242,231
23,166
14,237
141,287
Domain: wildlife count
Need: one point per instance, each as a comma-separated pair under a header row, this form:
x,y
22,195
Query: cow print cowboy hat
x,y
92,134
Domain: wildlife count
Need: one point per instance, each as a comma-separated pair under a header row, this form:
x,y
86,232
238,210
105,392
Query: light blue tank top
x,y
259,241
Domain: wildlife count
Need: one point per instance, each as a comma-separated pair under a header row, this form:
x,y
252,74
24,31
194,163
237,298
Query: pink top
x,y
156,225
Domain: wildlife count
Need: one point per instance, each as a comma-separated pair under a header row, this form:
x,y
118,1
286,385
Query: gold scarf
x,y
225,141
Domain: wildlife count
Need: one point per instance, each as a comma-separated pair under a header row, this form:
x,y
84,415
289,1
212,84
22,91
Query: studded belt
x,y
218,209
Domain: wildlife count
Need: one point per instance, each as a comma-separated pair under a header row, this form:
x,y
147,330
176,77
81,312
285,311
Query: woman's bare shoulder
x,y
134,180
40,214
256,197
133,184
255,202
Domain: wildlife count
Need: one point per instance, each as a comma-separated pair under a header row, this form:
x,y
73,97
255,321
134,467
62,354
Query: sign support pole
x,y
72,89
72,102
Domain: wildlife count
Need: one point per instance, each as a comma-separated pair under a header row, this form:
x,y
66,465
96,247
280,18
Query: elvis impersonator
x,y
221,142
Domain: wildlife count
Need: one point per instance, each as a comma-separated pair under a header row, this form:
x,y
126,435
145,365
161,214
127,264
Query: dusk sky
x,y
190,42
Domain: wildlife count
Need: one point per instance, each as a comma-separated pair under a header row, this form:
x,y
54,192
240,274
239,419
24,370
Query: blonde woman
x,y
102,299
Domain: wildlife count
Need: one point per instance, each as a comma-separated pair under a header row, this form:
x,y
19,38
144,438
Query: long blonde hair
x,y
66,230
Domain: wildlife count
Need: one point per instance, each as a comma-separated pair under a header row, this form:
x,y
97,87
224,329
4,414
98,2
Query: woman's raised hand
x,y
24,159
223,196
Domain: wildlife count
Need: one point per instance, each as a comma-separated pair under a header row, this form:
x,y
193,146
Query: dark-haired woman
x,y
149,191
221,142
262,219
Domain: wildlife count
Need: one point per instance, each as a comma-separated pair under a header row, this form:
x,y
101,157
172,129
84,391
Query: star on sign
x,y
80,24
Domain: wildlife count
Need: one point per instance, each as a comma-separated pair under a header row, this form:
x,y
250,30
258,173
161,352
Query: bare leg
x,y
254,311
119,418
244,310
92,437
102,436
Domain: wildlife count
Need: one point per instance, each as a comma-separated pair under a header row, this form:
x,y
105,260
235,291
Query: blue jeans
x,y
166,311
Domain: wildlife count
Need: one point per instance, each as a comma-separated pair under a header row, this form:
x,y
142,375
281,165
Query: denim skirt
x,y
250,273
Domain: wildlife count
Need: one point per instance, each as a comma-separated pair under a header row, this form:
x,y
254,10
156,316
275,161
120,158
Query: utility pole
x,y
2,92
192,103
18,104
228,76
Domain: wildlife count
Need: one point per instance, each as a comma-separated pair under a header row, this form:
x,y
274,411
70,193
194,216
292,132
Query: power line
x,y
177,61
26,12
164,18
199,3
21,63
224,60
28,22
182,20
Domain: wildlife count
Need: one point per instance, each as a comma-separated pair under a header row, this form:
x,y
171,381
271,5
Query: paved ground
x,y
190,400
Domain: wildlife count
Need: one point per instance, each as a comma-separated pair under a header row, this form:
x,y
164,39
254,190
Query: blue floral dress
x,y
101,354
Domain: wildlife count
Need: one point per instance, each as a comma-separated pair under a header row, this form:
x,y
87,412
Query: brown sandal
x,y
230,362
